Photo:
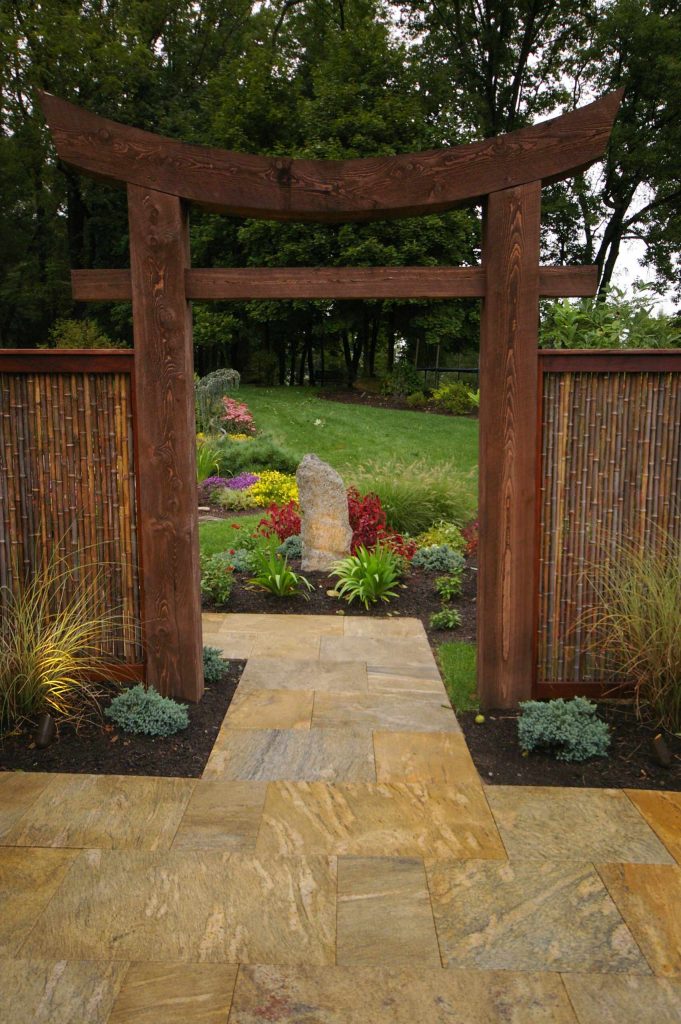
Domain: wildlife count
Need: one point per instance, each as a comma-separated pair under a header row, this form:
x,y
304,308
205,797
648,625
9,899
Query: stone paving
x,y
340,862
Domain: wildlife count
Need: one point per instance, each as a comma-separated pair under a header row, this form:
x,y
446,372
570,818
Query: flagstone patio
x,y
340,862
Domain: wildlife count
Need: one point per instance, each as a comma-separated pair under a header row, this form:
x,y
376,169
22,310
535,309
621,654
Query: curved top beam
x,y
280,188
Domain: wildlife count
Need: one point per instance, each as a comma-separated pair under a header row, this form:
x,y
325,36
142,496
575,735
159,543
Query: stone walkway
x,y
340,862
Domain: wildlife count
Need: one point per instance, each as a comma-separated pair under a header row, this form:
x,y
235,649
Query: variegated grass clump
x,y
636,622
51,636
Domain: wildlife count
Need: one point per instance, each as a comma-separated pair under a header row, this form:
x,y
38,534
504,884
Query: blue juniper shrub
x,y
292,547
145,711
438,558
214,665
570,730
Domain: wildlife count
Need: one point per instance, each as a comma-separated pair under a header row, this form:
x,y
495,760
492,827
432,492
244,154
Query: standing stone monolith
x,y
325,526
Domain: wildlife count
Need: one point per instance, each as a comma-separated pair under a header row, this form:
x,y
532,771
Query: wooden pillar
x,y
508,446
166,445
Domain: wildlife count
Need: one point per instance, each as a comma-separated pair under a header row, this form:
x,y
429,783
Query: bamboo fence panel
x,y
67,489
610,472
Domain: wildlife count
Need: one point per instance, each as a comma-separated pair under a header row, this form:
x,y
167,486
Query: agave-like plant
x,y
51,636
368,576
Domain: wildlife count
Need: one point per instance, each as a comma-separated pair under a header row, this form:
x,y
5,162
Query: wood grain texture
x,y
281,188
171,605
331,283
508,440
72,360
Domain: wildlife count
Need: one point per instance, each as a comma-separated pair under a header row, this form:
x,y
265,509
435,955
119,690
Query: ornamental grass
x,y
414,496
635,624
51,638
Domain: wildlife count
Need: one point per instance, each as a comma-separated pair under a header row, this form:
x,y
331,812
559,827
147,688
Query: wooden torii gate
x,y
163,176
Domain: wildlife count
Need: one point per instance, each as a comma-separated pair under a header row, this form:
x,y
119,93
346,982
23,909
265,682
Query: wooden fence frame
x,y
83,361
163,175
583,361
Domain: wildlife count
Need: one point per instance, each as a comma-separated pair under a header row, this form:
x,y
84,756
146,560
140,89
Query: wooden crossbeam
x,y
332,283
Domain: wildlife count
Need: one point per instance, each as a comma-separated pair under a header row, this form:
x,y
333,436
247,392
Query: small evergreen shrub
x,y
240,559
447,618
216,578
235,501
453,397
146,711
438,558
417,400
253,457
292,547
214,665
570,730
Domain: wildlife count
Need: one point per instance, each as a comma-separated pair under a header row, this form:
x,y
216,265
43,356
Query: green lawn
x,y
222,536
457,661
350,435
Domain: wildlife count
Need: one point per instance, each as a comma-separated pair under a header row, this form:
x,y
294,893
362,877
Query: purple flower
x,y
241,482
213,483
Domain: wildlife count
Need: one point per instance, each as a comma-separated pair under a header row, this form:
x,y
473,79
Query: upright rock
x,y
325,529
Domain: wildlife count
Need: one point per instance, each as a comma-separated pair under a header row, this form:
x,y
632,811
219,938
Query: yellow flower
x,y
239,437
274,488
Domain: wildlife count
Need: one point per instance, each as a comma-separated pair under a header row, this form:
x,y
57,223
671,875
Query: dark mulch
x,y
103,749
630,763
417,598
350,396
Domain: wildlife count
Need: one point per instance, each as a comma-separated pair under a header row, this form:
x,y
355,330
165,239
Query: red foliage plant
x,y
367,519
282,520
470,534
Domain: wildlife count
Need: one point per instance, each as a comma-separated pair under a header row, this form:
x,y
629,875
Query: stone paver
x,y
338,863
662,811
104,812
175,994
529,916
402,995
574,824
384,913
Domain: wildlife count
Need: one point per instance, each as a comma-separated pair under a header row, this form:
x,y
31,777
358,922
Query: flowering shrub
x,y
211,484
242,481
282,520
367,519
471,536
237,418
239,437
274,488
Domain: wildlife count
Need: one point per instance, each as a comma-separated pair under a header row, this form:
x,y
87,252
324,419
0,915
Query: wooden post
x,y
508,446
166,445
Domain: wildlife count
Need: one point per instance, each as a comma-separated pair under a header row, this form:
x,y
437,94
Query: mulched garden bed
x,y
351,396
417,598
630,763
101,748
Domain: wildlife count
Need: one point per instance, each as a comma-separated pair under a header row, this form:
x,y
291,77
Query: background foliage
x,y
328,78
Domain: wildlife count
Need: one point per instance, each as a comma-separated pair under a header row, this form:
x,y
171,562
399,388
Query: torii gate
x,y
162,176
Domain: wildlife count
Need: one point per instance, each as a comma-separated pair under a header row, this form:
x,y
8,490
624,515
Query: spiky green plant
x,y
51,637
368,576
273,574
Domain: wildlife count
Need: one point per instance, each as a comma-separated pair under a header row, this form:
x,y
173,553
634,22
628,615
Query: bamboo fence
x,y
610,473
67,489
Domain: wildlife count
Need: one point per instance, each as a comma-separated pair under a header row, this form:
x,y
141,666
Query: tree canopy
x,y
329,79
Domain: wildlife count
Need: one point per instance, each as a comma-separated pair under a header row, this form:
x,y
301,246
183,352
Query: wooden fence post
x,y
508,446
166,445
